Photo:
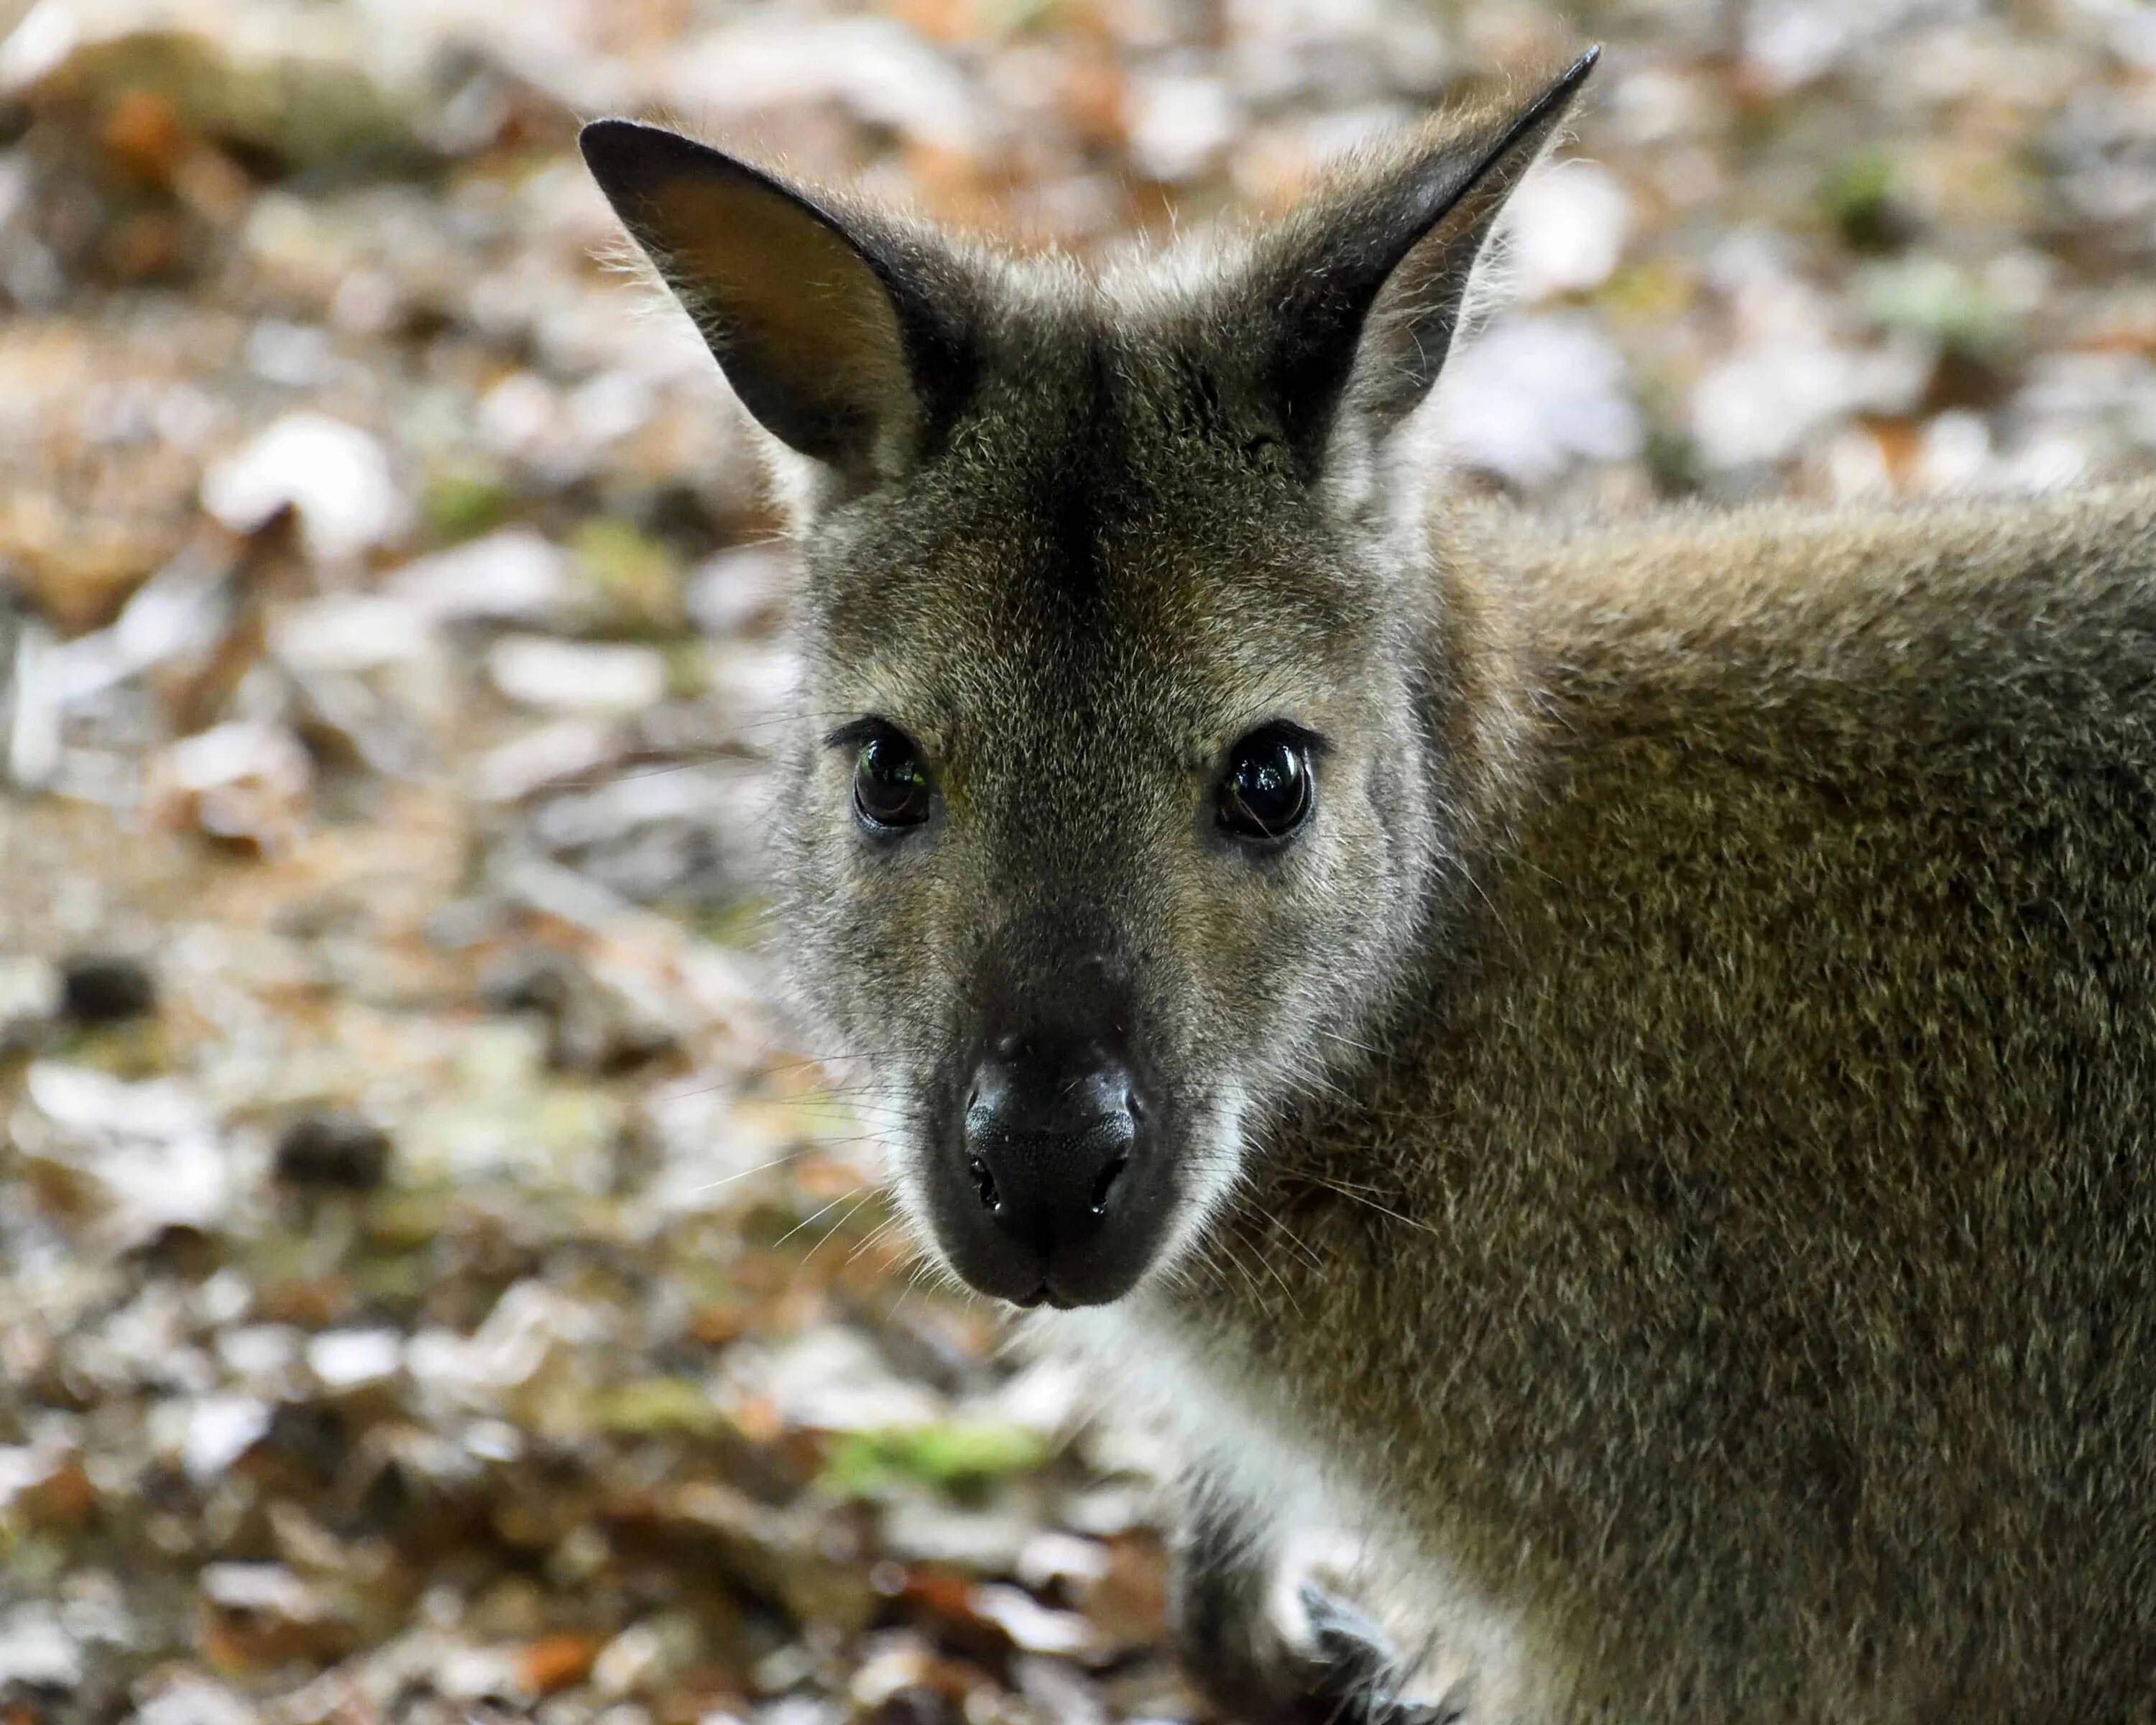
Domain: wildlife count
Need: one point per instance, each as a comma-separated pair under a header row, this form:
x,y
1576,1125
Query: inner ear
x,y
1364,286
822,324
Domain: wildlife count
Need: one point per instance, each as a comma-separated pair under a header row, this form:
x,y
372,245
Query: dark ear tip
x,y
1575,75
1555,99
631,158
609,143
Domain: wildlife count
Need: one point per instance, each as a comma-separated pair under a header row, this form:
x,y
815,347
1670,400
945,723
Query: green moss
x,y
1857,197
740,923
634,577
654,1407
957,1455
1932,297
462,504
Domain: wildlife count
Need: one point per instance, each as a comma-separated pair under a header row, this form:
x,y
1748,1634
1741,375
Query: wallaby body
x,y
1732,1269
1620,1062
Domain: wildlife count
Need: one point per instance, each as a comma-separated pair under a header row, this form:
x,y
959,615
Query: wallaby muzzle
x,y
1049,1178
1042,1193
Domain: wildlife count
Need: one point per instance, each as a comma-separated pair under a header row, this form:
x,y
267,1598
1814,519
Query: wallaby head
x,y
1129,767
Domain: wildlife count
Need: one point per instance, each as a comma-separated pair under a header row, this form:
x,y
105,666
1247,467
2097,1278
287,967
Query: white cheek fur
x,y
1216,1158
889,1117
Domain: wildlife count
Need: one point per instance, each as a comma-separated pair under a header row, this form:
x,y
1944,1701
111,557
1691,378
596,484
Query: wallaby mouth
x,y
1047,1184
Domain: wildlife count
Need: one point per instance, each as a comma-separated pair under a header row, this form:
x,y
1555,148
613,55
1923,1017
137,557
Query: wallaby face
x,y
1091,877
1113,814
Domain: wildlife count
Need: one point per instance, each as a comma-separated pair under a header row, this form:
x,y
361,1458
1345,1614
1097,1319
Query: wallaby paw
x,y
1348,1673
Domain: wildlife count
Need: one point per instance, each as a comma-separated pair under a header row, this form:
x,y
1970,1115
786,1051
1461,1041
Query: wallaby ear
x,y
1365,286
822,325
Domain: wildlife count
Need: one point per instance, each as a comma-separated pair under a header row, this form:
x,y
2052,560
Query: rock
x,y
576,677
344,633
184,1697
343,1360
106,988
30,994
260,1616
1180,122
598,1021
245,781
514,575
1534,395
560,750
1031,1625
36,1652
334,475
219,1429
333,1151
877,67
1567,227
146,1155
313,87
728,593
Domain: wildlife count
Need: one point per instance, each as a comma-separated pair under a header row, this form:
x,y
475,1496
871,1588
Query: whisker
x,y
806,1220
784,1156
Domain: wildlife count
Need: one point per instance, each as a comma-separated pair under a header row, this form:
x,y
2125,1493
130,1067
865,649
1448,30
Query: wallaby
x,y
1619,1065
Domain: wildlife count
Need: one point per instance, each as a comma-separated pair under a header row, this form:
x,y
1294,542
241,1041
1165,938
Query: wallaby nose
x,y
1048,1136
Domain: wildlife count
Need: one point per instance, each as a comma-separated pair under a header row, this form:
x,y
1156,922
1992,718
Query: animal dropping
x,y
1616,1064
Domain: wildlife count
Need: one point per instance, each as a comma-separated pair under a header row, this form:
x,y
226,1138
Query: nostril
x,y
984,1183
1134,1106
1107,1184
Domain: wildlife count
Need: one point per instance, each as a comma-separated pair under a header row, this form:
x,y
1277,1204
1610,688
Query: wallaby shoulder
x,y
1813,589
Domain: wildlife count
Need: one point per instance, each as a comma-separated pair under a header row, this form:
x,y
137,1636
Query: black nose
x,y
1048,1140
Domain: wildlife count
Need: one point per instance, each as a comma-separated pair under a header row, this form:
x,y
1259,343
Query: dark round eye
x,y
1265,794
891,784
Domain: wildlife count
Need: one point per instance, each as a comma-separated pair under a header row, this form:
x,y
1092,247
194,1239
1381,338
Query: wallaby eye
x,y
1265,794
891,789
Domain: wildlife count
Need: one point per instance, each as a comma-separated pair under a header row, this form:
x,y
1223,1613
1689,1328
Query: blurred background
x,y
433,1285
